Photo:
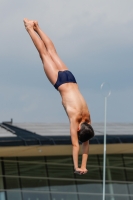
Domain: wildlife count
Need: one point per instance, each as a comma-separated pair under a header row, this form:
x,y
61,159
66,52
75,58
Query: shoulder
x,y
76,118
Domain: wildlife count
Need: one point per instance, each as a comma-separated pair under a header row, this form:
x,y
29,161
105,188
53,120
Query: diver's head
x,y
85,132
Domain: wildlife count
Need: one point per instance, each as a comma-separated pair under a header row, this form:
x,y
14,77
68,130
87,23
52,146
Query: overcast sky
x,y
95,40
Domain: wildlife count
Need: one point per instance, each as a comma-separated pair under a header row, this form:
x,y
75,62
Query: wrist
x,y
75,168
83,166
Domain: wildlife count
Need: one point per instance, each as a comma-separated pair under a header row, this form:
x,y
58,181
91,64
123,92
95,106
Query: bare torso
x,y
74,103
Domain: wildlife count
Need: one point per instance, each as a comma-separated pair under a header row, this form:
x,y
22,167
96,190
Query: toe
x,y
25,20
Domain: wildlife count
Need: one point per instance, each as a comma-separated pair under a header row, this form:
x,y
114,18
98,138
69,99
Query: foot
x,y
36,26
28,24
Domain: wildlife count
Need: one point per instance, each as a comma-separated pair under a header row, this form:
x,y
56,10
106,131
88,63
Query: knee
x,y
51,52
42,55
43,52
50,48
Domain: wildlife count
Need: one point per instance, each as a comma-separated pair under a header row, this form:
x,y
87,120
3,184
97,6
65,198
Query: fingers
x,y
85,172
77,172
80,172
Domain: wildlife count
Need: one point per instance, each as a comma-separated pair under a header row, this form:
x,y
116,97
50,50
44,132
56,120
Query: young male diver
x,y
72,100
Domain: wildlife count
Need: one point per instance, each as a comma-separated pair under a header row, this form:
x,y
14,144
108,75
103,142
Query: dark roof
x,y
15,135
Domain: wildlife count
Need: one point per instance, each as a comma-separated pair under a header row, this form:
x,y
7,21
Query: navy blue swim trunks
x,y
64,77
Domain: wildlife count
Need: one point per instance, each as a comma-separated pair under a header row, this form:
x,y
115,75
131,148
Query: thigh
x,y
50,69
58,62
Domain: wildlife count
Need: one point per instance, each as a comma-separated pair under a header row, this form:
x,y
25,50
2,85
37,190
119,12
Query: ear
x,y
78,127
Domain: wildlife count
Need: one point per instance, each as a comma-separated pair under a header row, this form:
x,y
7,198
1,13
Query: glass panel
x,y
60,167
13,194
61,173
130,185
10,166
30,195
2,193
118,171
53,178
117,188
116,174
63,196
122,198
101,166
12,180
115,160
128,159
12,183
89,187
117,197
62,186
93,169
33,173
83,183
32,166
131,198
129,173
90,197
34,184
109,189
92,160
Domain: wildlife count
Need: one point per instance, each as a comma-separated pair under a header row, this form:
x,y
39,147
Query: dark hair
x,y
86,132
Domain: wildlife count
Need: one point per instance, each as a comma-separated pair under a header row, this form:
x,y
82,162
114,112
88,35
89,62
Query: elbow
x,y
85,143
85,147
75,145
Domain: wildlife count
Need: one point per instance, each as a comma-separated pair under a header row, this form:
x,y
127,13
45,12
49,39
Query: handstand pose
x,y
72,100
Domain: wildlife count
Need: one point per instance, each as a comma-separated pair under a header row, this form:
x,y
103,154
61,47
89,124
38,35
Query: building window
x,y
53,178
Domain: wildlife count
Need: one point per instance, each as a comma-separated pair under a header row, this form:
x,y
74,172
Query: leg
x,y
50,67
50,48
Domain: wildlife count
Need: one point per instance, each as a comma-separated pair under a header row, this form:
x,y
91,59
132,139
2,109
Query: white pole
x,y
111,190
104,153
106,92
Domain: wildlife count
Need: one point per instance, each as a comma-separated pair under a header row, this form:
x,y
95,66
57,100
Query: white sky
x,y
95,40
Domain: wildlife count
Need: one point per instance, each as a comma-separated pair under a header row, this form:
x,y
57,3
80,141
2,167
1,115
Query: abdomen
x,y
72,99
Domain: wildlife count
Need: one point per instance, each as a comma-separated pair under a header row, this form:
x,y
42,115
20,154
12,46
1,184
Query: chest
x,y
77,112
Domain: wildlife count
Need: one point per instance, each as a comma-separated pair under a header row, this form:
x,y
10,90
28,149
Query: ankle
x,y
36,26
36,29
29,28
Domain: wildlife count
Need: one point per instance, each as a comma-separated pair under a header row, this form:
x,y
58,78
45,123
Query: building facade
x,y
39,166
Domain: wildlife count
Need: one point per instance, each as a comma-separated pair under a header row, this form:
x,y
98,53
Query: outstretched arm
x,y
75,149
75,143
85,151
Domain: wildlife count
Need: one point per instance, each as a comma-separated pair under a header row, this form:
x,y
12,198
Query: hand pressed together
x,y
80,171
